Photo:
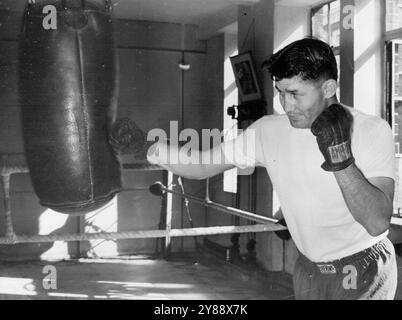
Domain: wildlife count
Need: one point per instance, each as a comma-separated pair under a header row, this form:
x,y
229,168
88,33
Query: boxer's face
x,y
302,100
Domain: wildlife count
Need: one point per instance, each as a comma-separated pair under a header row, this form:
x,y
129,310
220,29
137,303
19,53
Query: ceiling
x,y
175,11
209,15
179,11
299,3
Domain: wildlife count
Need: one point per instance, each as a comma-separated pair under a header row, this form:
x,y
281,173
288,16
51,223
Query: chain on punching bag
x,y
68,89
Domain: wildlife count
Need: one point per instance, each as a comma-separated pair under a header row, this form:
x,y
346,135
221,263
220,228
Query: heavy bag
x,y
68,89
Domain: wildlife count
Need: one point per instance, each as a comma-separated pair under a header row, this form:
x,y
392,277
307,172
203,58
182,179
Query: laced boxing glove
x,y
332,129
127,138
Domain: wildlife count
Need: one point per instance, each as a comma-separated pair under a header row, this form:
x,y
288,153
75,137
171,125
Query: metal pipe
x,y
207,190
159,189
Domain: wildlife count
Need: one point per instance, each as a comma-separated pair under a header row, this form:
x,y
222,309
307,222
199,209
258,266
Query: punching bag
x,y
68,82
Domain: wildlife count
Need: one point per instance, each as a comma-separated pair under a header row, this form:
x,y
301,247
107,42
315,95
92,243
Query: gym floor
x,y
138,278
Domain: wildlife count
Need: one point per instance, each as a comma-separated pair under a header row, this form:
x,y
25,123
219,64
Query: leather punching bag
x,y
68,89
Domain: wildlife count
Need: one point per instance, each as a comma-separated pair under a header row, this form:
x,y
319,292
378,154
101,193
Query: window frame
x,y
389,37
389,89
393,34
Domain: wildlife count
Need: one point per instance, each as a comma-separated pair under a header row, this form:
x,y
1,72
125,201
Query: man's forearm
x,y
194,171
197,165
369,205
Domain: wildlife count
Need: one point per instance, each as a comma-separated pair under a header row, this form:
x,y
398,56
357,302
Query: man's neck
x,y
332,100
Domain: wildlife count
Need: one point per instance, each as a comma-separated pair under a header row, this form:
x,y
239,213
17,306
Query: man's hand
x,y
333,131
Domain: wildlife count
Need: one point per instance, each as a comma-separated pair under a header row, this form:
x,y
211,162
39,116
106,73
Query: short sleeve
x,y
374,150
244,151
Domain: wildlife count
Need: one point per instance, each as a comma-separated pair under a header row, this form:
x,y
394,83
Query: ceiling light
x,y
184,66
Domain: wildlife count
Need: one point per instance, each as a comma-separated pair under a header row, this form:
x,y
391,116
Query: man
x,y
333,170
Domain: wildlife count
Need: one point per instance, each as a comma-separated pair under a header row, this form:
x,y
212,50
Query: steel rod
x,y
220,207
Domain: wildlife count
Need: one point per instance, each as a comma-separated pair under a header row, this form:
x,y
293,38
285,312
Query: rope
x,y
143,234
19,166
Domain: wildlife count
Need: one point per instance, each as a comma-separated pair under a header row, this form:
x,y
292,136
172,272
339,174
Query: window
x,y
393,21
325,25
325,21
231,98
393,14
394,107
394,97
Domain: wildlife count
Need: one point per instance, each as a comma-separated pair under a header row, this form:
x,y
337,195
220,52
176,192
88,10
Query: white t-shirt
x,y
321,225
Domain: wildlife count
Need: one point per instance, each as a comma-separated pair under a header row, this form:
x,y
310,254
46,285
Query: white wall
x,y
368,57
290,24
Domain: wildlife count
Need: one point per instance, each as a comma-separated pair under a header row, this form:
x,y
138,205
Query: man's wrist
x,y
157,152
350,169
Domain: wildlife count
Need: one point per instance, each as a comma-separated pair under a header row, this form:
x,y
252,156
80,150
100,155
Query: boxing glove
x,y
283,234
127,138
332,129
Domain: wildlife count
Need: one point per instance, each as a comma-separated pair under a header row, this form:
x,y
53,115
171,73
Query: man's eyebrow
x,y
290,91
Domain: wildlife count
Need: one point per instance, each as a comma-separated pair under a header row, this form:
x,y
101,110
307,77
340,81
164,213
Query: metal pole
x,y
159,189
168,226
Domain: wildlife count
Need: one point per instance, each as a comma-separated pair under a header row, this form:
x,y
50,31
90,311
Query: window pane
x,y
398,70
334,19
320,24
395,110
398,126
338,63
397,97
393,14
229,124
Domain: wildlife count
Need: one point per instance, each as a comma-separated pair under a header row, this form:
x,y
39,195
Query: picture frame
x,y
246,77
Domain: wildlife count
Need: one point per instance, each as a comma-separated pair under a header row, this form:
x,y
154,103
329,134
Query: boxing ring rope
x,y
137,234
15,163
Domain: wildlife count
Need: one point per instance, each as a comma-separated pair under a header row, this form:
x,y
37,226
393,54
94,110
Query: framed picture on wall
x,y
246,77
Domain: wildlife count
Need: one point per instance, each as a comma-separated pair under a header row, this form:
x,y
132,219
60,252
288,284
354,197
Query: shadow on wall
x,y
124,213
44,250
30,218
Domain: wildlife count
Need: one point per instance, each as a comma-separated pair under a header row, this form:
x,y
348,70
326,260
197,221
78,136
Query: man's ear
x,y
329,87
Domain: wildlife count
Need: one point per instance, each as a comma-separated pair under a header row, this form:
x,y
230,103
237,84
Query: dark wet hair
x,y
310,59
